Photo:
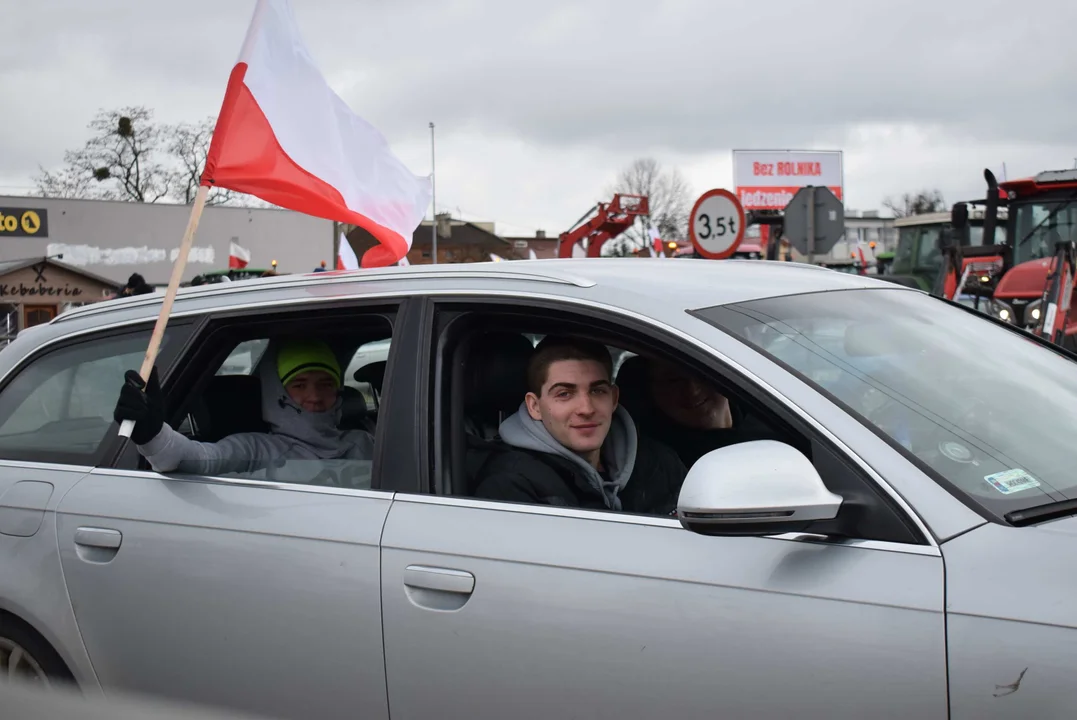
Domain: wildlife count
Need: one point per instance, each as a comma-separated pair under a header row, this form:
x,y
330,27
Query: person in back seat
x,y
683,410
570,444
301,403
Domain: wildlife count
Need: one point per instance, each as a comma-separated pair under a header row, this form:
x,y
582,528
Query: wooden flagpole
x,y
170,295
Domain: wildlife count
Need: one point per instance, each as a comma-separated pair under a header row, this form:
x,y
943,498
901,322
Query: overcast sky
x,y
539,104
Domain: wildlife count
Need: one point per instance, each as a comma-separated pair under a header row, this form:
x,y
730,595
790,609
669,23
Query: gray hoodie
x,y
299,447
618,451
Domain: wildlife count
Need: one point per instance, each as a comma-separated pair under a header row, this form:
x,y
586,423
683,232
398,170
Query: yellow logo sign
x,y
24,222
31,222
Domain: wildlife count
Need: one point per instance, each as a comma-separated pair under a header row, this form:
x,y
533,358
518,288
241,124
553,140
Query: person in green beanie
x,y
301,403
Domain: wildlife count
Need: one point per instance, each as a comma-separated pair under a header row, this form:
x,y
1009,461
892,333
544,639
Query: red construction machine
x,y
603,222
1039,260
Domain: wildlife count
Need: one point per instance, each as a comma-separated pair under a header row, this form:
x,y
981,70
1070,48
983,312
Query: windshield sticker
x,y
1011,481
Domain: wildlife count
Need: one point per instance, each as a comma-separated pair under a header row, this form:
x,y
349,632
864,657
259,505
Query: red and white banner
x,y
284,136
238,257
768,179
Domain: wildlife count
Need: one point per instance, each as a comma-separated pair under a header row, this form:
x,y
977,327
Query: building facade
x,y
36,290
112,239
458,241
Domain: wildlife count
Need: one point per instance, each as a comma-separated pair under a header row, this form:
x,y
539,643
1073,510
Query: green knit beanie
x,y
302,356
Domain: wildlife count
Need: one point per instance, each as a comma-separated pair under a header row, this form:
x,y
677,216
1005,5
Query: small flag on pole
x,y
284,136
238,256
656,241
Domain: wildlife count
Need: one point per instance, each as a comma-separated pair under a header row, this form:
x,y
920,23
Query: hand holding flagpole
x,y
284,136
170,296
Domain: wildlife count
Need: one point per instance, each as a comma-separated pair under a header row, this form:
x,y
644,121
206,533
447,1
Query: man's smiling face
x,y
576,405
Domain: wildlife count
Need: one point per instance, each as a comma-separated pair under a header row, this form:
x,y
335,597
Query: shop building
x,y
35,290
112,239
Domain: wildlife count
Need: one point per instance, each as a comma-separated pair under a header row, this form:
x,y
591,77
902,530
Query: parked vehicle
x,y
1035,292
900,548
918,259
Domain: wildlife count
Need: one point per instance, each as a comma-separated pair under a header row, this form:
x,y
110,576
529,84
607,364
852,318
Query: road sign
x,y
814,221
716,225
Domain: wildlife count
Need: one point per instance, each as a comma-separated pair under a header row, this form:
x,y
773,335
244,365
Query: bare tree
x,y
130,157
669,197
122,160
925,201
188,143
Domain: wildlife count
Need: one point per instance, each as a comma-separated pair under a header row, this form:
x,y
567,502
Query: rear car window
x,y
59,407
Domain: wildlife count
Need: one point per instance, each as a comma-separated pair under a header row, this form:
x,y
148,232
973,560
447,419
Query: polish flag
x,y
238,256
284,136
656,242
403,262
346,259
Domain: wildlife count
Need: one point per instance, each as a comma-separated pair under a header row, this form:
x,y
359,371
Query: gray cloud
x,y
611,79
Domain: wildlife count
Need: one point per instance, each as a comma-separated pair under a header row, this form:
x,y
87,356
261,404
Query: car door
x,y
243,593
496,610
55,421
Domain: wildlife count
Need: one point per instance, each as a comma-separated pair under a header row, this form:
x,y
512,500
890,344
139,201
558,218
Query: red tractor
x,y
1038,263
603,222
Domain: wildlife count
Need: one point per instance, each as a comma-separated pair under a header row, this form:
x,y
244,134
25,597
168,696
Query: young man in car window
x,y
570,444
301,403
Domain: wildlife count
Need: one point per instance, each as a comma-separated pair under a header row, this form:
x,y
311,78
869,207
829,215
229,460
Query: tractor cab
x,y
918,259
1035,291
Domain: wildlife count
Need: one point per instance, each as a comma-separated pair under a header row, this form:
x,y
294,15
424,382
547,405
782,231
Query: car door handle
x,y
103,538
439,579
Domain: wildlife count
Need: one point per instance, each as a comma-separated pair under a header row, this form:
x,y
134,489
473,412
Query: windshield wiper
x,y
1061,206
1041,513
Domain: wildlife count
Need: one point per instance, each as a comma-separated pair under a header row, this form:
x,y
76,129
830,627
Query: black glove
x,y
146,409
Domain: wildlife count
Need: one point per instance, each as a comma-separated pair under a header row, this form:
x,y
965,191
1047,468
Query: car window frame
x,y
182,332
385,474
665,337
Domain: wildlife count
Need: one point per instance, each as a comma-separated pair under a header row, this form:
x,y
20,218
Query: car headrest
x,y
353,408
496,377
373,373
633,384
233,405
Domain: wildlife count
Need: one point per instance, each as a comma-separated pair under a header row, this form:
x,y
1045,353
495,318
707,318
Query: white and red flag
x,y
238,256
656,241
346,259
284,136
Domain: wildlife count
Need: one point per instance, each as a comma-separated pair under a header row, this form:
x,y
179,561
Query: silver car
x,y
903,549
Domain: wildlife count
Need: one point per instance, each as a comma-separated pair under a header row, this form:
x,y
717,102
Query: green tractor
x,y
232,275
917,261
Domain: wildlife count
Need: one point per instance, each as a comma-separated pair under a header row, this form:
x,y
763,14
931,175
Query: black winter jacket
x,y
530,476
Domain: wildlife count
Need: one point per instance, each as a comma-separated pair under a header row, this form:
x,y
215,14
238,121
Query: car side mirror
x,y
763,487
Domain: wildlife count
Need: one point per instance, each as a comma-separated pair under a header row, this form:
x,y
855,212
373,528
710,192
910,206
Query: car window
x,y
312,448
244,358
366,370
987,410
674,426
61,405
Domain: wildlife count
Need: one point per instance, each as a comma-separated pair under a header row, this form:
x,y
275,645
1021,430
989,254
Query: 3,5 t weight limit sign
x,y
716,225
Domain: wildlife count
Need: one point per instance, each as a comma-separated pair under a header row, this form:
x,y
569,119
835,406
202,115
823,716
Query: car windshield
x,y
985,410
1045,234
